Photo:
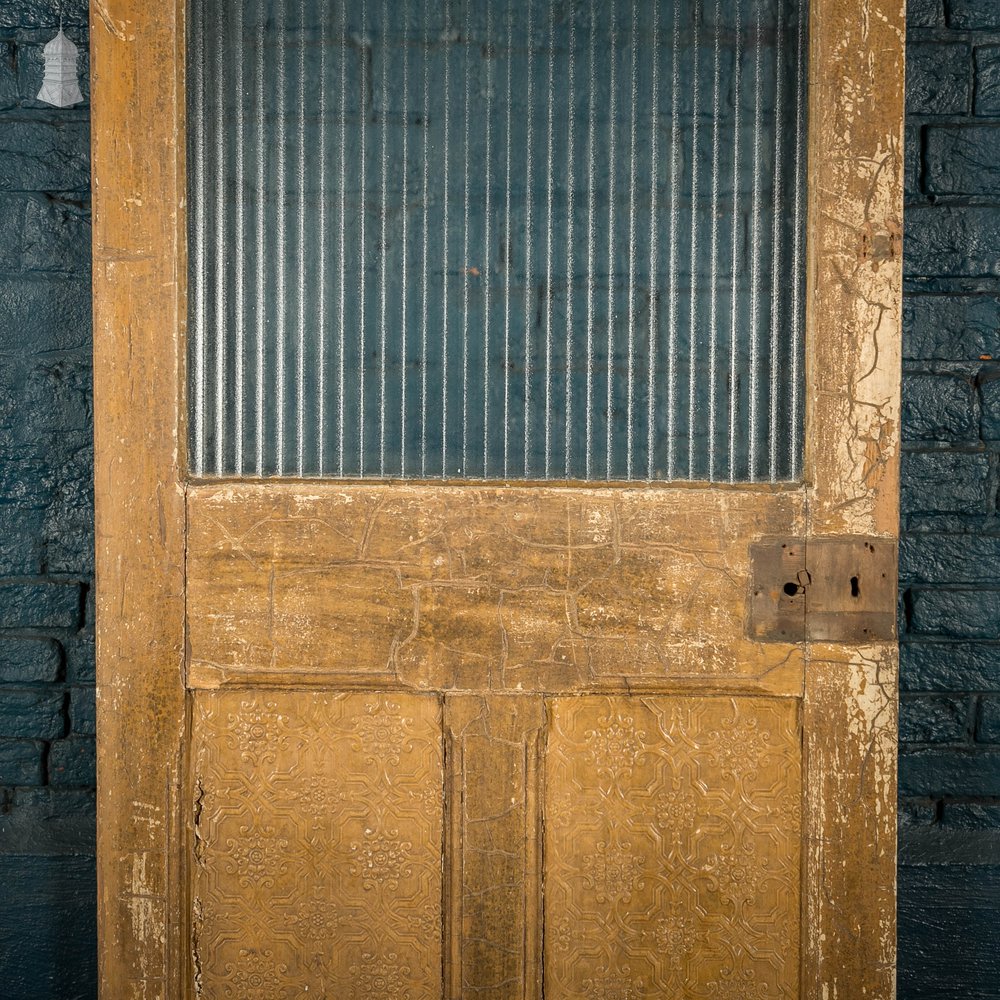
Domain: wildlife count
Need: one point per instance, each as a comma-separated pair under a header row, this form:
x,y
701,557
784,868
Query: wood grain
x,y
139,268
469,588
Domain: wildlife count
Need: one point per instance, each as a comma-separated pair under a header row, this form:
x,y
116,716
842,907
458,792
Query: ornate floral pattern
x,y
613,988
382,732
257,976
257,856
614,744
614,873
381,859
739,745
736,877
380,977
258,731
675,937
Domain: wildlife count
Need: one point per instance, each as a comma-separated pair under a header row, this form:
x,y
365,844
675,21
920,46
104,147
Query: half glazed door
x,y
497,448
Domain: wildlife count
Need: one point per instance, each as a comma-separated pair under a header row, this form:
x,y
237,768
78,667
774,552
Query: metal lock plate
x,y
823,590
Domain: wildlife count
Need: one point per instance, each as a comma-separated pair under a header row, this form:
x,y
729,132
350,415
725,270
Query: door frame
x,y
853,310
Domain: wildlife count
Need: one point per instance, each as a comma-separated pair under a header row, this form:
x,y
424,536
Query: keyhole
x,y
855,589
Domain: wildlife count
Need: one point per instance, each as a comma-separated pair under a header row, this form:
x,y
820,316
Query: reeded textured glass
x,y
526,239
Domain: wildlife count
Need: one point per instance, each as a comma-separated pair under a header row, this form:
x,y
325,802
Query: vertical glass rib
x,y
240,242
221,251
260,274
755,250
549,180
798,264
300,352
713,320
634,102
509,243
570,238
591,192
321,307
612,167
199,293
675,181
694,362
280,305
528,240
654,253
487,267
404,243
734,263
465,252
776,213
342,249
445,304
383,240
362,255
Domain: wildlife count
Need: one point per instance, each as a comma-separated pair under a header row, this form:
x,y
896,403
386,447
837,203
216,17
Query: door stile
x,y
138,155
853,364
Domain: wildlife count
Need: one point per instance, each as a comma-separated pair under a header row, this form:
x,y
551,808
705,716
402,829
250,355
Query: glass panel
x,y
521,240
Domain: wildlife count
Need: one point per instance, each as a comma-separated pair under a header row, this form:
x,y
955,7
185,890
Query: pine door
x,y
497,456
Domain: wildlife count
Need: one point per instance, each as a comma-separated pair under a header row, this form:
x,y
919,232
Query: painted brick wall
x,y
950,554
47,885
950,550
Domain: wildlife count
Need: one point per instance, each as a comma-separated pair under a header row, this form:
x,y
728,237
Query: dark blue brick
x,y
970,816
939,408
989,393
939,771
21,762
988,730
937,78
32,713
29,660
39,605
73,761
949,666
42,14
80,658
951,327
48,926
924,13
9,95
987,100
82,711
45,819
952,241
44,234
44,156
960,614
930,557
946,482
933,719
962,159
949,935
973,14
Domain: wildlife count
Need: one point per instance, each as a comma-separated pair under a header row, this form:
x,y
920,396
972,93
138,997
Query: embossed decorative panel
x,y
672,848
317,854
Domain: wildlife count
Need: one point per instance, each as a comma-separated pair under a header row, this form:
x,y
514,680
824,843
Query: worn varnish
x,y
468,588
472,728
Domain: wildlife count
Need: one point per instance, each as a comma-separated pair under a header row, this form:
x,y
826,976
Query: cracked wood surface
x,y
470,588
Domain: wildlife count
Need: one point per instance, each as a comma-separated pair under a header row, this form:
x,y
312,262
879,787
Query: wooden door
x,y
496,739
